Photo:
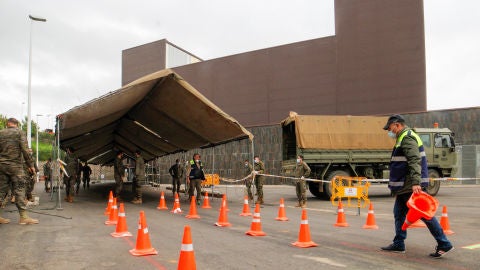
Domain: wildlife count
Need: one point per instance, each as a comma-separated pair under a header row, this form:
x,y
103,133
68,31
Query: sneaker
x,y
440,252
28,220
393,248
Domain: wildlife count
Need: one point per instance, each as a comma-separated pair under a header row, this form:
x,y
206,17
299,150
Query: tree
x,y
34,126
3,121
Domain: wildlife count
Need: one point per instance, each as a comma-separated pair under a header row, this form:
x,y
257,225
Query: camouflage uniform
x,y
301,171
248,182
139,177
29,179
70,180
86,172
47,174
118,174
259,167
176,171
13,149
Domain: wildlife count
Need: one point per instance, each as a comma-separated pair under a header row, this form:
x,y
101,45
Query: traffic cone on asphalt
x,y
121,229
224,202
109,204
206,202
444,222
304,240
193,209
186,261
281,212
246,208
256,226
370,224
176,205
418,224
143,246
341,222
223,218
161,204
113,217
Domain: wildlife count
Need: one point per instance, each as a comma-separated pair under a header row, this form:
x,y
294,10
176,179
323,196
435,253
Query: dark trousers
x,y
175,184
400,210
195,184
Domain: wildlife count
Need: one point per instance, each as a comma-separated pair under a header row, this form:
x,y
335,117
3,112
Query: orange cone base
x,y
162,207
192,216
448,232
223,224
305,244
143,252
121,234
245,214
343,224
371,227
281,218
109,222
256,233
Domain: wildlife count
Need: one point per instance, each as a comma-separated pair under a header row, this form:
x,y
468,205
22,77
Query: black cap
x,y
396,118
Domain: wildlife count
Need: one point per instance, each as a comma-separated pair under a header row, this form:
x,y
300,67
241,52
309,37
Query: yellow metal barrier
x,y
211,180
350,187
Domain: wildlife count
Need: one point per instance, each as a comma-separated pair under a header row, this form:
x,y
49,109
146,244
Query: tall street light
x,y
29,110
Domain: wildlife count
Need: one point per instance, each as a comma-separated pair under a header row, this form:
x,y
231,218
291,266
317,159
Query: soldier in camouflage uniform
x,y
72,168
119,175
248,182
30,178
47,174
139,177
259,168
13,148
301,171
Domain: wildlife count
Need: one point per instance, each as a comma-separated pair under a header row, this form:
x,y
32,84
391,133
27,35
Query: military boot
x,y
299,204
304,204
26,220
70,199
137,201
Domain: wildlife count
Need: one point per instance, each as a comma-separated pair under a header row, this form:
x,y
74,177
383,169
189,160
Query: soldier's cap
x,y
396,118
12,120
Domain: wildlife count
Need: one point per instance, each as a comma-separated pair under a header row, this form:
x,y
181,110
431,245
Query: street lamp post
x,y
29,109
37,144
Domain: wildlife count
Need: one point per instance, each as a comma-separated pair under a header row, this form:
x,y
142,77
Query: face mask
x,y
197,160
256,160
392,135
299,160
246,164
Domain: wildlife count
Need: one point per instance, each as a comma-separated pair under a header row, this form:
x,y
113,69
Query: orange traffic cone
x,y
186,261
224,202
256,226
304,240
370,224
206,201
143,246
176,205
223,218
121,229
109,204
281,212
113,217
444,222
161,204
246,208
421,205
193,209
341,222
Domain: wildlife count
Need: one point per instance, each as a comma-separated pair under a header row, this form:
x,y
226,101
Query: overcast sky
x,y
77,52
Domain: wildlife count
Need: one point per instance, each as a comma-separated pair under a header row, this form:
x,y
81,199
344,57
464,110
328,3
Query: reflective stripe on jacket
x,y
399,170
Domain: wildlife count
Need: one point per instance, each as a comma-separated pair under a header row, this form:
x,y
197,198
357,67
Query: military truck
x,y
356,146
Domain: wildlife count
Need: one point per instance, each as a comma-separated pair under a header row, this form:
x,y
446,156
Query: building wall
x,y
142,60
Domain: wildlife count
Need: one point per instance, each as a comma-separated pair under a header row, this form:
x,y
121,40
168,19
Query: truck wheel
x,y
327,187
314,188
433,186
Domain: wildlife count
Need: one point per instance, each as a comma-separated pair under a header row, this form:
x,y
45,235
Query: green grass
x,y
44,146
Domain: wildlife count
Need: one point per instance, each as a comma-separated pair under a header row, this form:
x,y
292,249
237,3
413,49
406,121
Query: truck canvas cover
x,y
158,114
343,132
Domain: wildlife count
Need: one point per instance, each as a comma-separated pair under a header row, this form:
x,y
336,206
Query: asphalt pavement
x,y
75,236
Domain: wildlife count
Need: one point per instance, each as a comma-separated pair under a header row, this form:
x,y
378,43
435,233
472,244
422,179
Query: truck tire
x,y
314,188
433,186
327,187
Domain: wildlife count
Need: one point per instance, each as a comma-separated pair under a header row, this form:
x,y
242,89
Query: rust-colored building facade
x,y
373,65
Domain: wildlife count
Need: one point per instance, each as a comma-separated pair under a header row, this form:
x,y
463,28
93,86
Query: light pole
x,y
29,110
37,142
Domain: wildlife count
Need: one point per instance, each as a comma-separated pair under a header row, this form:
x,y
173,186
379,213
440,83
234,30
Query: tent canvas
x,y
158,114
